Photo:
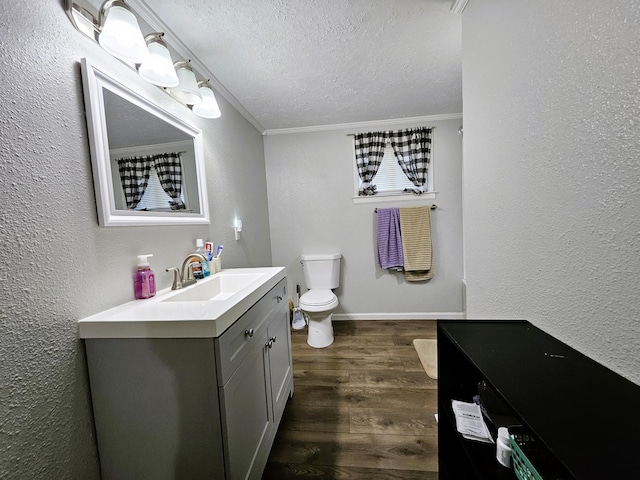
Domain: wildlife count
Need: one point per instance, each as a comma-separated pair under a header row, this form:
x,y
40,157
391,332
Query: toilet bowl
x,y
319,305
321,273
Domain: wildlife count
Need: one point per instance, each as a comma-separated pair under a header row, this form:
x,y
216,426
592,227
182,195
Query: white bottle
x,y
503,447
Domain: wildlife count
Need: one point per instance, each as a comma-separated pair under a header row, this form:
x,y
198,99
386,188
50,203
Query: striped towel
x,y
389,241
415,226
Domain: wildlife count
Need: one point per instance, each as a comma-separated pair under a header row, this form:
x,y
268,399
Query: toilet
x,y
321,274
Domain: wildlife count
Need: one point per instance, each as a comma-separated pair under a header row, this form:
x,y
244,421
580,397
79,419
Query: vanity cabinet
x,y
255,379
193,408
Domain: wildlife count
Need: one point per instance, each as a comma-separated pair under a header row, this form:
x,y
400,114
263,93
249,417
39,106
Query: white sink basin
x,y
205,309
220,287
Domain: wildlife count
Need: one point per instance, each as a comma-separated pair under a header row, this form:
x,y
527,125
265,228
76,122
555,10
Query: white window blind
x,y
390,177
155,198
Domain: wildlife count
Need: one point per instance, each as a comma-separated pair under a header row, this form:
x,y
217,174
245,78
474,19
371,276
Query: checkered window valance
x,y
412,149
134,175
369,153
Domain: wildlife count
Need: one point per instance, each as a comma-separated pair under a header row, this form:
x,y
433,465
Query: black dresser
x,y
584,418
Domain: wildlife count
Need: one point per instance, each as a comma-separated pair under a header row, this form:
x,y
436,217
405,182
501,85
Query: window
x,y
154,197
390,178
151,182
378,173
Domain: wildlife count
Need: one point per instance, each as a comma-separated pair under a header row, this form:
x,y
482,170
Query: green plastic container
x,y
521,464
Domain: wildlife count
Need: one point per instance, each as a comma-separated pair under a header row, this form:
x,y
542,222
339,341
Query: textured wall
x,y
310,181
552,177
57,265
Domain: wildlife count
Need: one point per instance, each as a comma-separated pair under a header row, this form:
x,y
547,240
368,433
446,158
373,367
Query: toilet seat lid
x,y
318,298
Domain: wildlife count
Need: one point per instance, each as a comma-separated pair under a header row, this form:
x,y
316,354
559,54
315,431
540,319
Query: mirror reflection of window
x,y
135,173
154,197
188,192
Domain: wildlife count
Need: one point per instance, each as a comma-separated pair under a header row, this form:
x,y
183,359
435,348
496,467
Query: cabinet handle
x,y
279,298
273,339
269,343
249,333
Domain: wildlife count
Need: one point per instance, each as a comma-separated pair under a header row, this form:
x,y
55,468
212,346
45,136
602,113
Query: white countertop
x,y
157,318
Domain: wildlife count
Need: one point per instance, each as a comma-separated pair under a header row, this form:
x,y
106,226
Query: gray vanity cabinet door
x,y
245,401
280,363
155,407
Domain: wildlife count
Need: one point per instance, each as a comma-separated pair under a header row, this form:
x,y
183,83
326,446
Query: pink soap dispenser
x,y
144,280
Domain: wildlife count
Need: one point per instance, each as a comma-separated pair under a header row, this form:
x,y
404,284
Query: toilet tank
x,y
321,270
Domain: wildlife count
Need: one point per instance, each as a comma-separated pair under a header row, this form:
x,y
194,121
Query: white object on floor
x,y
298,322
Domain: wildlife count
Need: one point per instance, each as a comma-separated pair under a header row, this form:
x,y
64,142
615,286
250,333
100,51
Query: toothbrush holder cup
x,y
215,265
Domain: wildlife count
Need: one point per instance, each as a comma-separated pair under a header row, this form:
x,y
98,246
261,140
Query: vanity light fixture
x,y
158,67
187,91
208,108
115,27
120,33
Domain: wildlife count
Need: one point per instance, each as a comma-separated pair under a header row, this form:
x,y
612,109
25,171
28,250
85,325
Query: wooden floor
x,y
363,408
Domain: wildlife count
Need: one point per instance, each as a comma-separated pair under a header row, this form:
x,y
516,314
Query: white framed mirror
x,y
148,164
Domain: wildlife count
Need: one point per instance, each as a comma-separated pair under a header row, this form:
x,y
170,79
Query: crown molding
x,y
366,125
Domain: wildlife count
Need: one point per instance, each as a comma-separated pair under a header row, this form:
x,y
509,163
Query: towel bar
x,y
432,207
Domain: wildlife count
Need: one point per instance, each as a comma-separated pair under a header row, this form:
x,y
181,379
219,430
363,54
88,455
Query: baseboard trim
x,y
400,316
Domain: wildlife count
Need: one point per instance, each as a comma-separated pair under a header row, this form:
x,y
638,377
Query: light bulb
x,y
158,67
187,91
121,36
208,108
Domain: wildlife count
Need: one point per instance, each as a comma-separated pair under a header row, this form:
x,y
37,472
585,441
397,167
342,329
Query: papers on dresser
x,y
469,421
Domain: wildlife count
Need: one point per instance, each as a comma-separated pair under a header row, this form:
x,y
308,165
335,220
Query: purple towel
x,y
390,254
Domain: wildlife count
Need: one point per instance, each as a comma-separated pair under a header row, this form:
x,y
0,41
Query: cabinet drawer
x,y
234,344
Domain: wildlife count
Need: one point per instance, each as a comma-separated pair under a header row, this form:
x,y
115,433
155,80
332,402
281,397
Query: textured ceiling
x,y
297,63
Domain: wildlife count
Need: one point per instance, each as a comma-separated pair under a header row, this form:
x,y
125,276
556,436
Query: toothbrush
x,y
219,250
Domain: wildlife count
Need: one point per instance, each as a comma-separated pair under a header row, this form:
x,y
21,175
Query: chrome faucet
x,y
186,278
177,281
